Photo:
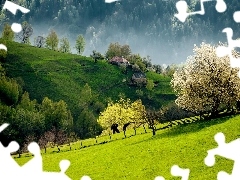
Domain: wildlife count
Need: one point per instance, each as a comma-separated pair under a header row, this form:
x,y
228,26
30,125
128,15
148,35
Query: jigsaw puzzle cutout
x,y
110,1
16,27
12,7
228,150
224,51
177,171
221,7
33,169
236,16
182,9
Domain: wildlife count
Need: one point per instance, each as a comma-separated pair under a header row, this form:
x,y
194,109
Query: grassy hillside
x,y
145,157
62,76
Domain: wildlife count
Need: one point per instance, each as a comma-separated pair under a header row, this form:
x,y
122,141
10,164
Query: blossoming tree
x,y
123,112
206,83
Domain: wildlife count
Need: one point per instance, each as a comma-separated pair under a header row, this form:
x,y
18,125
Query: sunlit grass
x,y
145,157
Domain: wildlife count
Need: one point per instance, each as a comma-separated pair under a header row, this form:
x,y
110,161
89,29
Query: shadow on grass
x,y
193,127
187,128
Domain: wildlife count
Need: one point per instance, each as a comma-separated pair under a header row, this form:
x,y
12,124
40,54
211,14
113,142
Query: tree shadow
x,y
193,127
187,128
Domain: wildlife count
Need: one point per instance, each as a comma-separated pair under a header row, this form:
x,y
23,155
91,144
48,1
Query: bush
x,y
9,91
172,112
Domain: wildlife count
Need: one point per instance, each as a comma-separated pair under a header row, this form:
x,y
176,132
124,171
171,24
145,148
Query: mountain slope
x,y
63,76
145,157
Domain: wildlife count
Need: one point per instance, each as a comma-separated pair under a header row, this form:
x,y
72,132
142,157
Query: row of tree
x,y
52,40
153,21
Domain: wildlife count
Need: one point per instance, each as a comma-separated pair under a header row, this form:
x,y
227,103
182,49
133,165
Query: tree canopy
x,y
52,40
122,112
206,83
80,44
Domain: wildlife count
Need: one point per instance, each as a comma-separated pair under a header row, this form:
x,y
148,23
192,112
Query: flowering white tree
x,y
206,83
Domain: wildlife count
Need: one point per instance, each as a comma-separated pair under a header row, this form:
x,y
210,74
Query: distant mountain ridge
x,y
148,26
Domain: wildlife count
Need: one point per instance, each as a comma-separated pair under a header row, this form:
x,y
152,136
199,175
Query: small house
x,y
119,60
139,78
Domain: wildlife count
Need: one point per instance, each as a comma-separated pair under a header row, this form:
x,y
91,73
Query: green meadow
x,y
47,73
144,156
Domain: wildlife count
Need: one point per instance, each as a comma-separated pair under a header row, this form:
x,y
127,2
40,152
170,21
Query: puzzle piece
x,y
34,165
229,151
86,178
110,1
223,51
33,169
12,7
5,125
2,46
177,171
182,9
236,16
64,165
8,164
5,156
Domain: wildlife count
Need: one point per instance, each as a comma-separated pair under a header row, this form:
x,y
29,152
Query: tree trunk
x,y
58,149
154,132
144,129
19,154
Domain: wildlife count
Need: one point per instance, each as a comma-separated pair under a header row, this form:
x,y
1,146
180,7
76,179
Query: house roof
x,y
139,75
119,59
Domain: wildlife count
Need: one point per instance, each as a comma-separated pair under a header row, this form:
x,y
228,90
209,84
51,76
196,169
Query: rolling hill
x,y
47,73
145,156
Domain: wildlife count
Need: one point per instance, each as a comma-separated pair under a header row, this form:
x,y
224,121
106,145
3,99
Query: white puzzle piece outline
x,y
182,9
33,169
177,172
227,150
111,1
222,51
12,7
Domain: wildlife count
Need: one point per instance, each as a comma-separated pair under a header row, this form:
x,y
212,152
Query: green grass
x,y
145,157
62,76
